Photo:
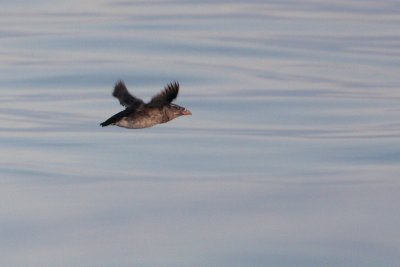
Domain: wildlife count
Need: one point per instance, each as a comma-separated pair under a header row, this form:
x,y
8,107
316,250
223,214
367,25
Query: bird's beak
x,y
186,112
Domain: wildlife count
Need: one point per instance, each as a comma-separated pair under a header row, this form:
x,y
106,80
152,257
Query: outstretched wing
x,y
166,96
124,97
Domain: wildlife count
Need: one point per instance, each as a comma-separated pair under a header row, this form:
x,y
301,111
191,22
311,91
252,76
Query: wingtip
x,y
119,82
119,88
173,86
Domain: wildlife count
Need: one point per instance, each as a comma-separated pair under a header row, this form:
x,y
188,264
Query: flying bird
x,y
138,114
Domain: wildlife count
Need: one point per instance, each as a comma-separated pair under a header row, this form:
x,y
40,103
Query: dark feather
x,y
117,117
124,97
166,96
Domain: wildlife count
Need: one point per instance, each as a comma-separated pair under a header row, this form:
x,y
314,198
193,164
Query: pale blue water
x,y
291,157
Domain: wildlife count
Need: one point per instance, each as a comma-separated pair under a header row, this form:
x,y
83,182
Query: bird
x,y
138,114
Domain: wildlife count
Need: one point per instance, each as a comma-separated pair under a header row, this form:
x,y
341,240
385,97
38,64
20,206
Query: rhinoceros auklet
x,y
137,114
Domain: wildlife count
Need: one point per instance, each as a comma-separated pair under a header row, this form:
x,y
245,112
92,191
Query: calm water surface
x,y
291,157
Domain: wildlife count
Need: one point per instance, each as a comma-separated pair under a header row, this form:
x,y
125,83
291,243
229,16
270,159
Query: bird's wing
x,y
125,98
117,117
166,96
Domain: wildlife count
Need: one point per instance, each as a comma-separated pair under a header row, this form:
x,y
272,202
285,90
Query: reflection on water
x,y
290,158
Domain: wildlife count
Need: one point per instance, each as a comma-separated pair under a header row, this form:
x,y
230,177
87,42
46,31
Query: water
x,y
291,157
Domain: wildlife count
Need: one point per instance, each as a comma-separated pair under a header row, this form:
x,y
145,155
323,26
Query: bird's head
x,y
177,110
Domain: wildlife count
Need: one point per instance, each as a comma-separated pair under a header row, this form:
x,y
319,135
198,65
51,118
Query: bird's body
x,y
145,117
140,115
